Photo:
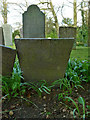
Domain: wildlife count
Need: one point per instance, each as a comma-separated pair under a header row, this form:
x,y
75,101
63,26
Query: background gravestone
x,y
7,58
43,59
7,30
68,32
21,32
1,36
33,23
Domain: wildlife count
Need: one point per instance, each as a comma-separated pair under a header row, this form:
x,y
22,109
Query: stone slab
x,y
43,59
1,36
7,30
7,58
33,23
68,32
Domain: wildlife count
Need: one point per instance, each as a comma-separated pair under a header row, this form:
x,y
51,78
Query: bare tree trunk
x,y
55,18
4,11
51,8
75,12
89,24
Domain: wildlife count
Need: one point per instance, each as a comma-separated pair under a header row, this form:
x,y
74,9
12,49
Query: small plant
x,y
81,101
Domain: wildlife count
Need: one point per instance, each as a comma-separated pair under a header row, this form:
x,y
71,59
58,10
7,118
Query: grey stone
x,y
33,23
43,59
7,30
21,32
1,36
7,58
68,32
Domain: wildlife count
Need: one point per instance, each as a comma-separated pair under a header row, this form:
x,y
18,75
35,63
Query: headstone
x,y
7,58
43,59
68,32
7,30
33,23
1,36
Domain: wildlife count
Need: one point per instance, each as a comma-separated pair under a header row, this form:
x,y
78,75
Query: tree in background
x,y
50,28
50,8
75,12
4,10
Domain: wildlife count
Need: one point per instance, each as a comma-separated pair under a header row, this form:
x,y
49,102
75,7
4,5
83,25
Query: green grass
x,y
81,53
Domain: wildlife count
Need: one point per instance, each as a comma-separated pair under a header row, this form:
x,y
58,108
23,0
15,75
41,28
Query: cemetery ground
x,y
71,99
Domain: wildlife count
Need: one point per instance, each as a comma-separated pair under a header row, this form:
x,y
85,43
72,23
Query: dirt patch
x,y
46,106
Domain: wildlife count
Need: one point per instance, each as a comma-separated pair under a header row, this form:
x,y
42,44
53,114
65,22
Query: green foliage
x,y
77,71
81,101
82,35
67,21
11,85
16,32
74,104
52,34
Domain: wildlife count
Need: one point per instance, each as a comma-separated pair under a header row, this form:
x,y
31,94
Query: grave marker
x,y
7,30
68,32
7,58
43,59
33,23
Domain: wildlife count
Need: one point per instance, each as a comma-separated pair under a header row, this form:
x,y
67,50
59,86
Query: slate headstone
x,y
7,58
33,23
1,36
68,32
43,59
7,30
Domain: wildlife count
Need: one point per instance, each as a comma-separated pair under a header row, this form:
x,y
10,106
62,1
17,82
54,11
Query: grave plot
x,y
41,58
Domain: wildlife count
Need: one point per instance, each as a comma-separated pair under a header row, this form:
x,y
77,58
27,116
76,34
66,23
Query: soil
x,y
47,106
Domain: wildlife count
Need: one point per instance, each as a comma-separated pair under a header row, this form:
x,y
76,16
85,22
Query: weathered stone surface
x,y
43,59
1,36
33,23
68,32
21,32
7,30
7,58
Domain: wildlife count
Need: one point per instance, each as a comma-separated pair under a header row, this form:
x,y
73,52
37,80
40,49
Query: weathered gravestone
x,y
7,58
21,32
33,23
68,32
1,36
43,59
7,30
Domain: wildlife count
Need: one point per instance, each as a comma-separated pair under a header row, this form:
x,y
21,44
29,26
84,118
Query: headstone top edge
x,y
44,38
33,5
7,47
67,27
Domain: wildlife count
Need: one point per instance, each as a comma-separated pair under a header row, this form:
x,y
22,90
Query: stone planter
x,y
43,59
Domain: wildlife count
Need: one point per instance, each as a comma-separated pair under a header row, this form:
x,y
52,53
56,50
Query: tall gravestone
x,y
68,32
1,36
33,23
7,58
7,30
